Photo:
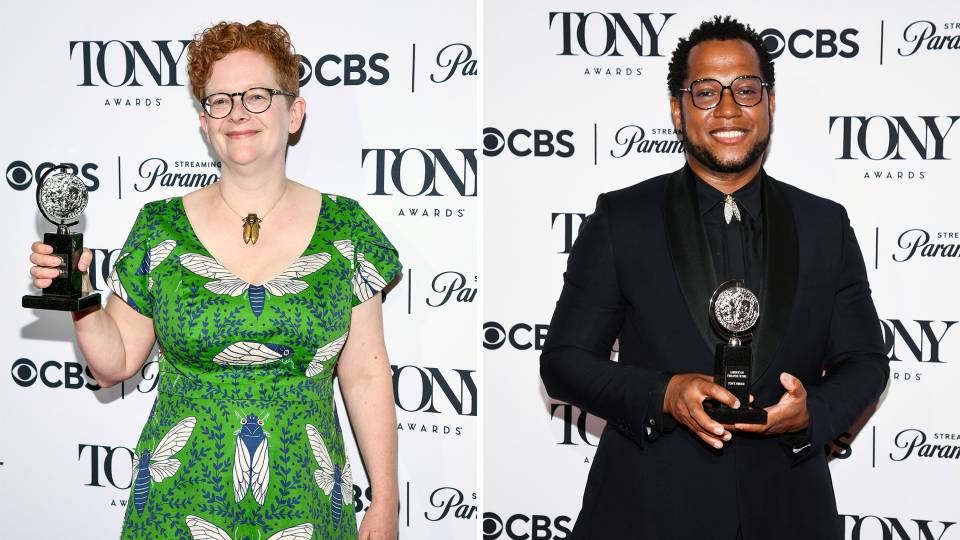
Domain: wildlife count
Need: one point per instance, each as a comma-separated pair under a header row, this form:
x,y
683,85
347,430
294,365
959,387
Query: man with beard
x,y
644,268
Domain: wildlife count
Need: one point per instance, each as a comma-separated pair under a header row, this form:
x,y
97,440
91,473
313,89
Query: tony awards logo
x,y
62,197
734,311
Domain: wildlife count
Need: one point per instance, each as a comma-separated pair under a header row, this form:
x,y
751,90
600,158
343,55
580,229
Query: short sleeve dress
x,y
243,440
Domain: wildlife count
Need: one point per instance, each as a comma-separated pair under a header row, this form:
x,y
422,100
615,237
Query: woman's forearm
x,y
372,414
101,345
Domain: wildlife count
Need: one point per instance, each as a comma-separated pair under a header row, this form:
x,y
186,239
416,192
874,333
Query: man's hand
x,y
787,415
684,401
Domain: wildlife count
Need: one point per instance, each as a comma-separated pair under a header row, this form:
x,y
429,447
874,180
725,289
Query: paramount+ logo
x,y
525,527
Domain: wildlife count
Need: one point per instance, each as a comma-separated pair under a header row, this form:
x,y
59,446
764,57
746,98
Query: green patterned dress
x,y
243,441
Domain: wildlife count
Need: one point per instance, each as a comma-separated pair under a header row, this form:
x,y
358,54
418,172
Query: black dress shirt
x,y
737,247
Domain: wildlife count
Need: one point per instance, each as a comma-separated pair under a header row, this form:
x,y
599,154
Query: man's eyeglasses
x,y
255,100
746,90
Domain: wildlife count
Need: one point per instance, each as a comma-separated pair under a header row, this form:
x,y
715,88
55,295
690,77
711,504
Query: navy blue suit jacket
x,y
641,270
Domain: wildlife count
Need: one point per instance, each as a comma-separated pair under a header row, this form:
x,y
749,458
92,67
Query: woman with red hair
x,y
256,288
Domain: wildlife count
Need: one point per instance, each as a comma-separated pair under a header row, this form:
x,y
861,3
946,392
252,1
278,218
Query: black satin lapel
x,y
689,250
779,282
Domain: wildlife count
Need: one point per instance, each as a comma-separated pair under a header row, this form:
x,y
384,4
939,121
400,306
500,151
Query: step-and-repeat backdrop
x,y
391,97
867,114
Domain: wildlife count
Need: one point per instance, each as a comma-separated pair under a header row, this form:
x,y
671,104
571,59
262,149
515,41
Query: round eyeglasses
x,y
747,91
255,100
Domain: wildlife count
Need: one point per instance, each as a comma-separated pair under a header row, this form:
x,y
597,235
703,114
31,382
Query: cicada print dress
x,y
243,441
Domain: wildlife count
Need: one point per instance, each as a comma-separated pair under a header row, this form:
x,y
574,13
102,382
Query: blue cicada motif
x,y
153,258
251,460
150,261
160,464
224,282
202,529
334,481
251,353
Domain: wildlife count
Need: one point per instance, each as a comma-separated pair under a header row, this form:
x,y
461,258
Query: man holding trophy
x,y
748,337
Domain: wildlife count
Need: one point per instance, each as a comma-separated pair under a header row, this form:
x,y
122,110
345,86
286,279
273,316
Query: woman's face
x,y
243,139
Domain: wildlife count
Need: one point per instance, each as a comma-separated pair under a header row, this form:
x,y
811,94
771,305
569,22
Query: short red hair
x,y
270,40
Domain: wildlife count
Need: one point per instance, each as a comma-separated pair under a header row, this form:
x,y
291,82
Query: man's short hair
x,y
718,28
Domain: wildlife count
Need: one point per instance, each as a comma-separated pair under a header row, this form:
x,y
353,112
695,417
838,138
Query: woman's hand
x,y
379,522
47,266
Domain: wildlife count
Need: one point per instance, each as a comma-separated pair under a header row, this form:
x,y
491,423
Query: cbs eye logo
x,y
52,374
521,336
525,527
20,174
523,142
803,43
24,372
350,70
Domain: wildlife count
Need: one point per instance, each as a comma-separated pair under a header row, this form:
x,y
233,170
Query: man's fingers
x,y
792,384
684,415
774,414
40,247
709,430
722,395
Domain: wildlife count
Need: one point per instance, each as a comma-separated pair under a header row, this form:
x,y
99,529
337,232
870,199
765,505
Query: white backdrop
x,y
589,100
380,80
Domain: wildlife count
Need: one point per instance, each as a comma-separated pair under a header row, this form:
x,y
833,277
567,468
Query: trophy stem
x,y
63,229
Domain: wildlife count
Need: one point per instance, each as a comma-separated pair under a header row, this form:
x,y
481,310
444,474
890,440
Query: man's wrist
x,y
657,418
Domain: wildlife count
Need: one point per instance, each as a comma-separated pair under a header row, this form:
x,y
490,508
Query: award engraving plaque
x,y
61,198
734,311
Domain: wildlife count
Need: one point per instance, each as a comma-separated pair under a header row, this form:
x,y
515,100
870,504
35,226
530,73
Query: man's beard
x,y
713,162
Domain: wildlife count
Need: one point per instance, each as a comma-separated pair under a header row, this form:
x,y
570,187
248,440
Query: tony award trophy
x,y
62,197
734,311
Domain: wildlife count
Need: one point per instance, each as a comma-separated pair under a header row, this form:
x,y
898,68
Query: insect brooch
x,y
251,229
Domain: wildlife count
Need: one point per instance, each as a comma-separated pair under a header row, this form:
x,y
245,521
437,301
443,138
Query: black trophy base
x,y
726,415
61,303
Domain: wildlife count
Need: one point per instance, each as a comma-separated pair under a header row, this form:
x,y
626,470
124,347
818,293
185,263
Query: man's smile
x,y
729,135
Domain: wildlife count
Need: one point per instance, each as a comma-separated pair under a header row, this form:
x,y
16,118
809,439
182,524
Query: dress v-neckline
x,y
196,238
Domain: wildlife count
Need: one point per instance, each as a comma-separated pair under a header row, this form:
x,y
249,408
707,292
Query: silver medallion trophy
x,y
734,311
62,197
